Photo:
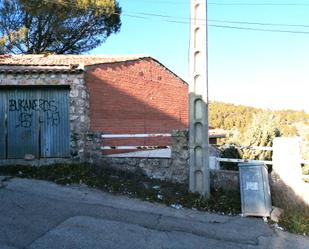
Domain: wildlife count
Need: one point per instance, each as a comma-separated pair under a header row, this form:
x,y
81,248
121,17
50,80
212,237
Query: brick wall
x,y
136,97
139,96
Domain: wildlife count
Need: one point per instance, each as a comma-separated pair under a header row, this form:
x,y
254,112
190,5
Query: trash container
x,y
254,189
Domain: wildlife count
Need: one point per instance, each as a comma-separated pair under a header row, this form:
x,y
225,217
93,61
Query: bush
x,y
261,132
231,152
295,222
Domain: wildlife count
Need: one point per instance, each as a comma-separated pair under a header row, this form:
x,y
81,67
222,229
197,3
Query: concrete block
x,y
275,214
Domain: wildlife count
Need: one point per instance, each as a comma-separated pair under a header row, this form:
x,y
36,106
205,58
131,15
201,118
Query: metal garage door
x,y
22,123
2,125
54,120
36,123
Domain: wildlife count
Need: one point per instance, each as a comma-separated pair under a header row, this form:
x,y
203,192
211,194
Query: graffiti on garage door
x,y
34,121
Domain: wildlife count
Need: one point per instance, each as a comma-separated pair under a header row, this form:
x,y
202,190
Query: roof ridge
x,y
75,55
64,59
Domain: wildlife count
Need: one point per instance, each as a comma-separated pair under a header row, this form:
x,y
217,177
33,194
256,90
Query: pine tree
x,y
261,132
56,26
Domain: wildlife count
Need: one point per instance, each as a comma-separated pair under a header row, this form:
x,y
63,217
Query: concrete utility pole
x,y
199,139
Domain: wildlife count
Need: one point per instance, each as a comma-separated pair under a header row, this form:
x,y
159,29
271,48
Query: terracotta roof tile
x,y
22,69
37,63
50,63
64,60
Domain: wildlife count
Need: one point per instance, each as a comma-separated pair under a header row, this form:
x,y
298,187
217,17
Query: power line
x,y
142,15
226,26
259,4
220,21
160,2
135,16
262,24
300,4
257,29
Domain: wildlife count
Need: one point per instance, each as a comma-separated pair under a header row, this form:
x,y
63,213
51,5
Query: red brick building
x,y
136,96
108,94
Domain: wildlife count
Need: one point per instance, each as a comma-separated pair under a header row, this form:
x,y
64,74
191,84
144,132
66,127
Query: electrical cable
x,y
216,20
226,26
256,4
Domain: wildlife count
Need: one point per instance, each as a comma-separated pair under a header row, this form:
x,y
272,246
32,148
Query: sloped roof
x,y
63,60
58,63
22,69
37,63
217,133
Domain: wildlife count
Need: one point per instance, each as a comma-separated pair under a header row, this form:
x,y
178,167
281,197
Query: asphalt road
x,y
42,215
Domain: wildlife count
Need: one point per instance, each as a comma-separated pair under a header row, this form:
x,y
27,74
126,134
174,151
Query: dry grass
x,y
133,185
139,186
295,222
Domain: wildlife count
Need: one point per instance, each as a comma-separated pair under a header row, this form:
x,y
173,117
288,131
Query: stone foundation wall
x,y
224,179
158,168
164,169
175,169
179,164
92,148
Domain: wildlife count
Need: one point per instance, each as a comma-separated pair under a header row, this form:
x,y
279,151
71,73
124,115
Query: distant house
x,y
52,106
215,135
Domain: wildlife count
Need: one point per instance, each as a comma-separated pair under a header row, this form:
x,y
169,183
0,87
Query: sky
x,y
249,67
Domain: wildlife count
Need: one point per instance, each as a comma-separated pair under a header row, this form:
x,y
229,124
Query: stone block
x,y
74,93
225,179
275,214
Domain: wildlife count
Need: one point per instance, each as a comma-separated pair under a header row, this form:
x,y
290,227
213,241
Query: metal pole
x,y
199,180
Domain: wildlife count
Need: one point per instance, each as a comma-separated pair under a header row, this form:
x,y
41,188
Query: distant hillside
x,y
237,118
230,116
